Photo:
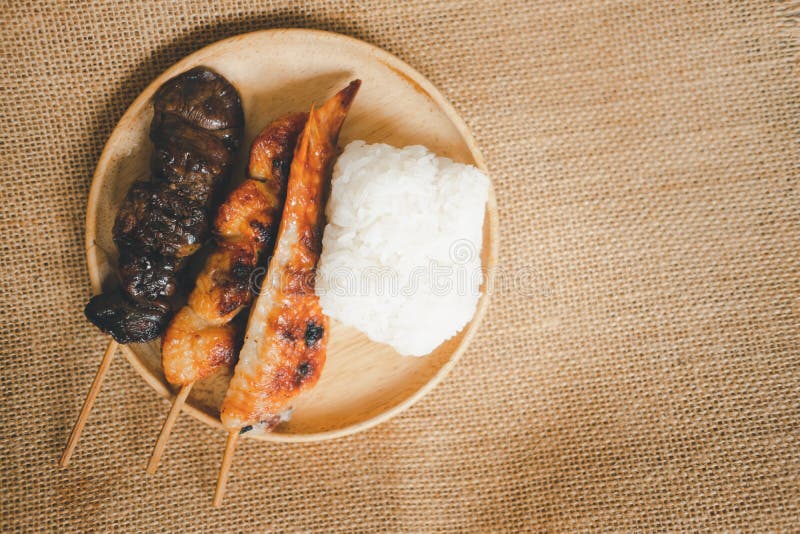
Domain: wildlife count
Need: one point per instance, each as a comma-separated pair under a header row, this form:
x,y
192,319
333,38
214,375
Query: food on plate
x,y
202,338
197,126
285,343
401,250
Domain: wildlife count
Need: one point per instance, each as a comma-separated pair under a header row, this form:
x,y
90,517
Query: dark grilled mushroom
x,y
197,126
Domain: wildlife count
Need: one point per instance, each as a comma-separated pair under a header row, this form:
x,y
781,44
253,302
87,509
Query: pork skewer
x,y
201,339
287,333
196,127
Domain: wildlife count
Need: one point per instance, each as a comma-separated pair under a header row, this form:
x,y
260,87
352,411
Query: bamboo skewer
x,y
227,459
105,363
166,430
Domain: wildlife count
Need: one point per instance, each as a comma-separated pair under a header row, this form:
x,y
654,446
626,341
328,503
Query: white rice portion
x,y
401,251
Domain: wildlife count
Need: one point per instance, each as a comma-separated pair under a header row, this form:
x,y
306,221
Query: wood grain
x,y
276,71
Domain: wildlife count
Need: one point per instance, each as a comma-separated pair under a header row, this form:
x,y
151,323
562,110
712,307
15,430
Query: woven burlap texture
x,y
643,375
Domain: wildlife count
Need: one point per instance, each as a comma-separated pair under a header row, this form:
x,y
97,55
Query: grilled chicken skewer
x,y
196,127
287,333
201,339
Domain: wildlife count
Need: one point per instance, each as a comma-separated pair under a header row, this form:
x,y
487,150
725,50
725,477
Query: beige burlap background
x,y
643,374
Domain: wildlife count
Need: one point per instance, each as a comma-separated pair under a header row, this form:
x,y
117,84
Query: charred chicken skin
x,y
201,338
197,126
287,333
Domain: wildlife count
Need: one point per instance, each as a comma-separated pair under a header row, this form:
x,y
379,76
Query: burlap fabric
x,y
642,374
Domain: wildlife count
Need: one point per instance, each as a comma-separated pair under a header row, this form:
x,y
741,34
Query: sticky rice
x,y
401,251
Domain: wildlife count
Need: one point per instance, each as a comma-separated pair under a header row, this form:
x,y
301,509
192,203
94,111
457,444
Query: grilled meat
x,y
201,338
287,333
197,125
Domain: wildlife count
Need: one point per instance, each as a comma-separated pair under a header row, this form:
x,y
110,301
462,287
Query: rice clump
x,y
401,251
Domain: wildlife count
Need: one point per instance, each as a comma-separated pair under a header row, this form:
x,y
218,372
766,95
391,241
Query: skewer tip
x,y
166,430
88,404
227,460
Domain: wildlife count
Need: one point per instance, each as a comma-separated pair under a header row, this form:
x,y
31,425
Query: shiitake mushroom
x,y
196,128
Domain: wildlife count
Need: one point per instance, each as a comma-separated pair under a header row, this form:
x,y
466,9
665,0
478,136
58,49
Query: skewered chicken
x,y
201,338
196,128
287,333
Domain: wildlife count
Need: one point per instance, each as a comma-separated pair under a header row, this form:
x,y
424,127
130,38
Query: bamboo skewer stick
x,y
166,430
105,363
227,459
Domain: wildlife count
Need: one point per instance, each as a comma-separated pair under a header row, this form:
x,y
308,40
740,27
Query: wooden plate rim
x,y
403,70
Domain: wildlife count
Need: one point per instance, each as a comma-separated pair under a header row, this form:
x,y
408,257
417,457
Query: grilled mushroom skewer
x,y
196,127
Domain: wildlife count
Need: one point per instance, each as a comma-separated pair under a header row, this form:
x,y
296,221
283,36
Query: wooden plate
x,y
277,71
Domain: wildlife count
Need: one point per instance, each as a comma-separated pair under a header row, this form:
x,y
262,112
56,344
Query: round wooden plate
x,y
277,71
